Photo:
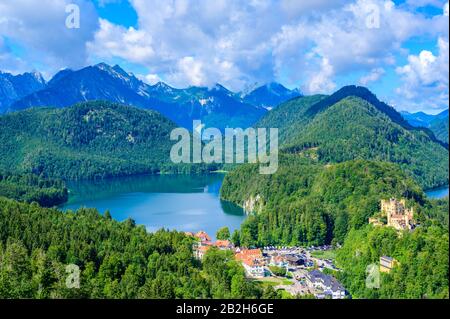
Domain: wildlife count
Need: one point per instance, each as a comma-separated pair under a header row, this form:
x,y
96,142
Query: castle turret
x,y
398,216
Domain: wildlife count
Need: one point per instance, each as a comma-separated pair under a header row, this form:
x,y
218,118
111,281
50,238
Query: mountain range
x,y
270,95
437,123
89,140
353,124
16,87
215,106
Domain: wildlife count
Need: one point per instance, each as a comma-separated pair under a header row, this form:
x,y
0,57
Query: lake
x,y
435,193
180,202
175,202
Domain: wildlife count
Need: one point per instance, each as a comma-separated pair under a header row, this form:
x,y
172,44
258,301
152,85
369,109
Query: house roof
x,y
387,258
278,259
203,236
252,262
222,243
328,281
251,257
245,253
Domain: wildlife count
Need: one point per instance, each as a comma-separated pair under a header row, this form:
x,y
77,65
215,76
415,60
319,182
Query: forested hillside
x,y
31,188
422,255
116,260
290,117
88,140
440,128
351,125
306,203
438,123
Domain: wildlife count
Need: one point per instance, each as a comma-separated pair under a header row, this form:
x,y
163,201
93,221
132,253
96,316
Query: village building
x,y
398,215
324,285
202,245
387,264
295,260
223,244
278,261
253,262
200,251
254,268
203,236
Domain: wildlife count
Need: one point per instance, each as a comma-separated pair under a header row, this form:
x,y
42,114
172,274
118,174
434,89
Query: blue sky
x,y
399,49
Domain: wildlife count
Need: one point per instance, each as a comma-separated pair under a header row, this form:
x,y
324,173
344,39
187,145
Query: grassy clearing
x,y
274,281
324,254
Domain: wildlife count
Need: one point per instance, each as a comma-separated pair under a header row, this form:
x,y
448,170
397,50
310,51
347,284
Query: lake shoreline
x,y
176,202
438,192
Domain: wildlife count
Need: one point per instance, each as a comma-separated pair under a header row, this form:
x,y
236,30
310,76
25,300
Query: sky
x,y
398,49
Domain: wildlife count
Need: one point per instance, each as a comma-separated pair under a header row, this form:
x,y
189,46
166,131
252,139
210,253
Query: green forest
x,y
89,140
115,259
340,156
440,128
344,127
423,255
32,188
306,203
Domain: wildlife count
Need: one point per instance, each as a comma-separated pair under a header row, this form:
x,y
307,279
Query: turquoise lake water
x,y
440,192
184,203
181,202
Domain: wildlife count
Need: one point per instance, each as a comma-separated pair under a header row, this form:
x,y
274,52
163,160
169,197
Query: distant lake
x,y
175,202
435,193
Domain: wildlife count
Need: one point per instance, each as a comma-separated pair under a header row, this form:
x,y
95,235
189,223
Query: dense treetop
x,y
31,188
88,140
306,203
422,256
116,259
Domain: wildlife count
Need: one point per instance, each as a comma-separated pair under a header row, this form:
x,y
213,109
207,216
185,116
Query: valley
x,y
96,147
438,123
224,158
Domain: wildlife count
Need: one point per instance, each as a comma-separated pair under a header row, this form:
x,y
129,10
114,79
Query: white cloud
x,y
192,70
295,7
40,27
130,44
226,40
322,80
310,43
151,79
235,43
373,76
425,79
345,41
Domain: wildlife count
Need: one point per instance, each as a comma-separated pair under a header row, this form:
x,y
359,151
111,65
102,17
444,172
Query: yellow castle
x,y
398,216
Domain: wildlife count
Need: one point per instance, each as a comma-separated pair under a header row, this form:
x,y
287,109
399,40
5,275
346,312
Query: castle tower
x,y
398,216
